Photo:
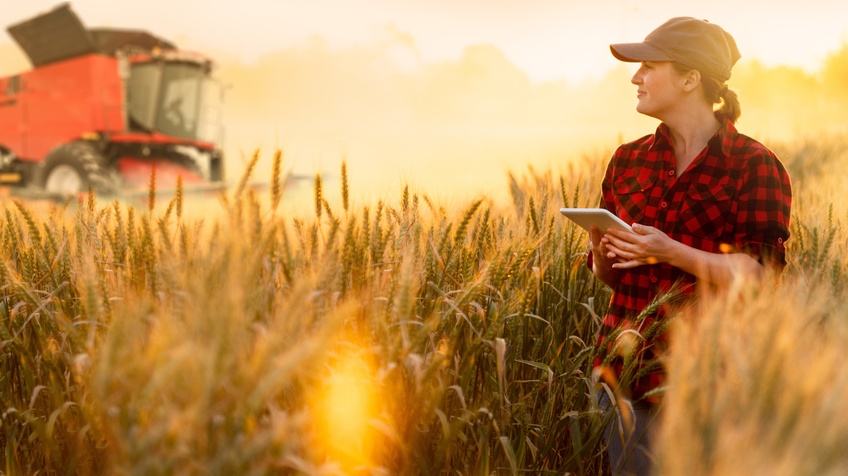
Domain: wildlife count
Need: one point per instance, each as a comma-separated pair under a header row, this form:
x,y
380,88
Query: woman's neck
x,y
690,134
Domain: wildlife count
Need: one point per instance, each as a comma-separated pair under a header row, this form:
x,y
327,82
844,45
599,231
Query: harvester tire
x,y
76,167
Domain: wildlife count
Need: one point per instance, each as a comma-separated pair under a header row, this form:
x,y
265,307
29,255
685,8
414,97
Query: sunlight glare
x,y
346,409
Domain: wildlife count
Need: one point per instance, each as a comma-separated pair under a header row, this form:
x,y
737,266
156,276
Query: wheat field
x,y
396,337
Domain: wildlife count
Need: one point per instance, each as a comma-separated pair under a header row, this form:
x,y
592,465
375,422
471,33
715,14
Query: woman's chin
x,y
641,109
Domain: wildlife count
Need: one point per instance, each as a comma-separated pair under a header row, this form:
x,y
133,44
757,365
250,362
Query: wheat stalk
x,y
151,190
276,179
179,197
318,196
245,177
345,187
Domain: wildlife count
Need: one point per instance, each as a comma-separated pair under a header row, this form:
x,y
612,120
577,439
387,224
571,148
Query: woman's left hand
x,y
646,245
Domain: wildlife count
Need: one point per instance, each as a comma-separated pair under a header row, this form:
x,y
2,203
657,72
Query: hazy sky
x,y
547,38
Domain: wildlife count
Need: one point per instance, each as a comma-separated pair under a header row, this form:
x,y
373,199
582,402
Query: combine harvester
x,y
102,108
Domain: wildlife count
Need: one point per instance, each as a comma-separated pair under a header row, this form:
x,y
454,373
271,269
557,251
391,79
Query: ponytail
x,y
717,92
730,108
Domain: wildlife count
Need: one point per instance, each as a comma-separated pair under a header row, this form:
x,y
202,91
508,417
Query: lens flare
x,y
345,411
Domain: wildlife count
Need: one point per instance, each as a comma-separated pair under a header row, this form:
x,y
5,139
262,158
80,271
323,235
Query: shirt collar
x,y
724,139
662,137
721,142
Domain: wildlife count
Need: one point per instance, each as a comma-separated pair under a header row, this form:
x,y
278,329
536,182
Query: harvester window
x,y
166,97
14,85
182,88
142,95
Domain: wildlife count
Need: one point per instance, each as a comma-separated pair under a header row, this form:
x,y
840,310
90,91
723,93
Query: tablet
x,y
600,217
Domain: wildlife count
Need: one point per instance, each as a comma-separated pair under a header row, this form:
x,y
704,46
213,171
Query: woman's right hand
x,y
600,253
603,258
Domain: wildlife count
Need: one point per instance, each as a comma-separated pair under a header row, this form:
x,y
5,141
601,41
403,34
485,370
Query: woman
x,y
707,204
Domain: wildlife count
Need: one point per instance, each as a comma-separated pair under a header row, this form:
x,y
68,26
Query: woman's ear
x,y
691,80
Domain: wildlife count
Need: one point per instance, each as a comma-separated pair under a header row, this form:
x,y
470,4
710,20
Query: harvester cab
x,y
104,109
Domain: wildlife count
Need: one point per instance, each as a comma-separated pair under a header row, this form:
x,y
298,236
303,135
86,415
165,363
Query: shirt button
x,y
654,279
670,173
663,205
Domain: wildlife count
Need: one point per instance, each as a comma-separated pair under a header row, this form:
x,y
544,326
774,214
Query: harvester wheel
x,y
75,167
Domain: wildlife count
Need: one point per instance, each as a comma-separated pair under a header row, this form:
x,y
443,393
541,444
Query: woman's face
x,y
659,88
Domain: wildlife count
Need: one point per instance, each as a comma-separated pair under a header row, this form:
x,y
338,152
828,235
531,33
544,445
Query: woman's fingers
x,y
630,249
629,254
626,259
595,235
621,244
627,264
637,248
622,254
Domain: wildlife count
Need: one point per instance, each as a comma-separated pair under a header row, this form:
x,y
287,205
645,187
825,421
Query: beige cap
x,y
697,43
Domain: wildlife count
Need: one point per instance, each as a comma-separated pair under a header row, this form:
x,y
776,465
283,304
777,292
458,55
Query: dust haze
x,y
449,128
453,128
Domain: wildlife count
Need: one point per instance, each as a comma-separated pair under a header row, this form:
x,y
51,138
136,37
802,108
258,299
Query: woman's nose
x,y
637,77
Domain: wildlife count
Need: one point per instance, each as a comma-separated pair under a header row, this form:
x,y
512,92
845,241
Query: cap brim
x,y
636,52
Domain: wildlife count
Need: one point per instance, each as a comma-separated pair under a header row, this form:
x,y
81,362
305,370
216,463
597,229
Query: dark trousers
x,y
629,436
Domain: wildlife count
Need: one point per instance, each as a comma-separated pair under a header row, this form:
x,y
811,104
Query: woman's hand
x,y
645,245
603,259
648,245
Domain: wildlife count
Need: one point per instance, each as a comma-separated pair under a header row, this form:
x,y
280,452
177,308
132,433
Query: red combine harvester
x,y
102,108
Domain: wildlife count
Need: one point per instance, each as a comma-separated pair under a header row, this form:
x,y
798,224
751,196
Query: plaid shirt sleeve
x,y
763,209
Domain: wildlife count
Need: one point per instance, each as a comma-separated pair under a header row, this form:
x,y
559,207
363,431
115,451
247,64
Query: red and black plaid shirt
x,y
735,196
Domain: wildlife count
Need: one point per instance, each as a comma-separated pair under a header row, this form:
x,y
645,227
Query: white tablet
x,y
600,217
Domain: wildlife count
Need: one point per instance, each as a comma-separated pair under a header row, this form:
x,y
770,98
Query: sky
x,y
548,39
